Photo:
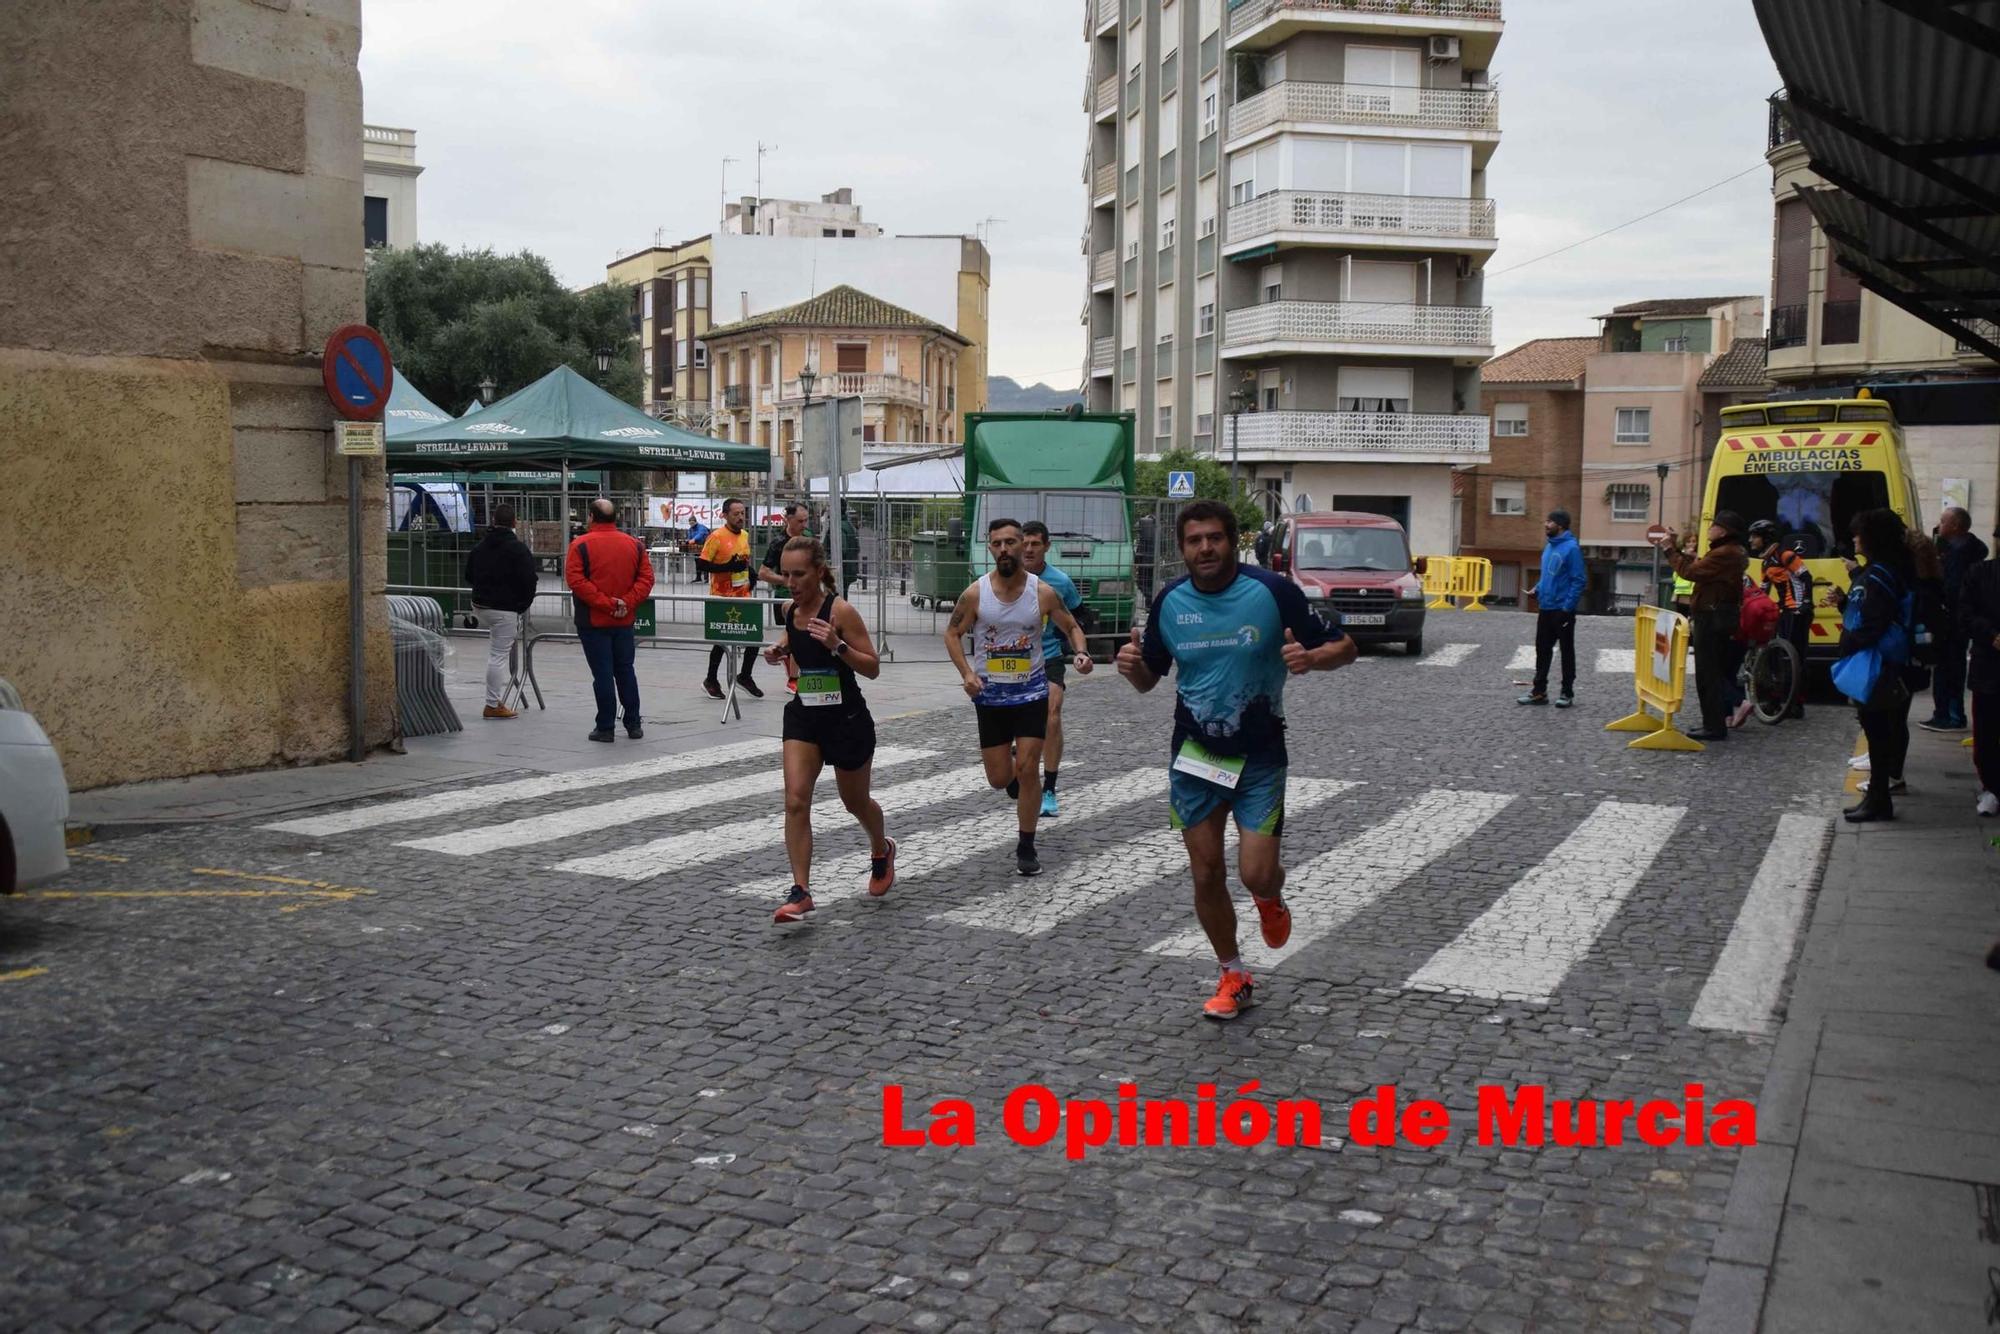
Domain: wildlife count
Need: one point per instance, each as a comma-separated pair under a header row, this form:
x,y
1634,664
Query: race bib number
x,y
1222,771
817,690
1008,669
740,579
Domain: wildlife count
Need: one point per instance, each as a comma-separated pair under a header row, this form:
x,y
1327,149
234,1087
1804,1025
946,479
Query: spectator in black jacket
x,y
1878,589
1979,624
501,573
1961,553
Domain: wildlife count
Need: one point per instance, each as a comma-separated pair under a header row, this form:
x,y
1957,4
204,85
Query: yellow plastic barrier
x,y
1437,581
1659,675
1472,578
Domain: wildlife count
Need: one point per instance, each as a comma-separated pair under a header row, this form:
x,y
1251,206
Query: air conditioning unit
x,y
1443,47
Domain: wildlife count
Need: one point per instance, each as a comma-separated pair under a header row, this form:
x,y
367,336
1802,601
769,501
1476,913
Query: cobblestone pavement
x,y
483,1067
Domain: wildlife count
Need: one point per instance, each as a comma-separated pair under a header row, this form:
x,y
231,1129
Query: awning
x,y
564,416
1897,103
408,410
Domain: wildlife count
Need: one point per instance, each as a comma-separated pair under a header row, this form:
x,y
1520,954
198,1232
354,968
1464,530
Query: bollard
x,y
1659,678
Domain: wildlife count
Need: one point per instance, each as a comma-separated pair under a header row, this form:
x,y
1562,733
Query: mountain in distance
x,y
1004,394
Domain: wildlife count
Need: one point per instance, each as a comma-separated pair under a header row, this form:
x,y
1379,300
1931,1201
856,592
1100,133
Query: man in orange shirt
x,y
610,574
725,559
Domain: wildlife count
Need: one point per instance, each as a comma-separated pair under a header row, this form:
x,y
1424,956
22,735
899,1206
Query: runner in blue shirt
x,y
1233,634
1035,556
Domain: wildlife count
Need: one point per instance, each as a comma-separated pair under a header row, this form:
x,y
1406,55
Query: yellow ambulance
x,y
1811,465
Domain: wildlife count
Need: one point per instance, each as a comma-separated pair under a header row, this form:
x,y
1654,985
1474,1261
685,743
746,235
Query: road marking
x,y
927,851
1741,994
624,810
1525,944
523,789
1036,906
1523,659
1333,888
677,852
22,974
331,895
1450,655
98,857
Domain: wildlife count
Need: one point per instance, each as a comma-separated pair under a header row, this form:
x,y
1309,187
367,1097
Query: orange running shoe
x,y
796,905
1276,919
882,872
1232,996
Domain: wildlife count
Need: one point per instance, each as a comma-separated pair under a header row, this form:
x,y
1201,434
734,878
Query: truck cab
x,y
1357,567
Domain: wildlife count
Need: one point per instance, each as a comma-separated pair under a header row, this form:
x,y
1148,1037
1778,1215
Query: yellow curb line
x,y
22,974
98,857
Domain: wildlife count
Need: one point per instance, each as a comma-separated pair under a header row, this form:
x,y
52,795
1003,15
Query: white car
x,y
34,799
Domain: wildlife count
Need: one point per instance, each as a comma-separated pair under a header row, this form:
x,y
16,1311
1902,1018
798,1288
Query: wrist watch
x,y
839,647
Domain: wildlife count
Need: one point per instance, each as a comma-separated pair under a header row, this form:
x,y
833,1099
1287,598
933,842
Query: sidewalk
x,y
1872,1200
679,718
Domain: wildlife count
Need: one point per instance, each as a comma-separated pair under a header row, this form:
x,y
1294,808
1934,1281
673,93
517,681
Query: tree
x,y
1211,482
452,319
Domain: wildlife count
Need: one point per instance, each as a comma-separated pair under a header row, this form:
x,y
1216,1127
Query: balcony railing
x,y
1781,131
1359,322
1105,181
1986,329
1249,14
852,384
1788,326
1107,96
1339,214
1107,12
1445,437
1102,354
1103,267
1366,104
736,396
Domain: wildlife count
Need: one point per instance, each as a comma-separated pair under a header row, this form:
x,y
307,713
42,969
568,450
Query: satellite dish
x,y
1302,503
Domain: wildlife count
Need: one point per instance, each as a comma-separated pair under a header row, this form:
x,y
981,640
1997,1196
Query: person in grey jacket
x,y
1557,592
501,573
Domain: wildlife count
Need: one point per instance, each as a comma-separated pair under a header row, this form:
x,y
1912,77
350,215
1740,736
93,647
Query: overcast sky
x,y
580,131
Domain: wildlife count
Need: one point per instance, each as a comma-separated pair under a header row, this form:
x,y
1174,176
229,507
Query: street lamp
x,y
1239,402
1661,470
603,360
486,391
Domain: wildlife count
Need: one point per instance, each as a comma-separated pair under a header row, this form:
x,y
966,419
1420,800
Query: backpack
x,y
1758,620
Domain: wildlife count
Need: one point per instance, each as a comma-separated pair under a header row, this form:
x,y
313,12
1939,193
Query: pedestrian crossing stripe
x,y
1742,991
1451,655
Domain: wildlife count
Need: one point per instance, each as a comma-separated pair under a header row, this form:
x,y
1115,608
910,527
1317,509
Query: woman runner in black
x,y
828,721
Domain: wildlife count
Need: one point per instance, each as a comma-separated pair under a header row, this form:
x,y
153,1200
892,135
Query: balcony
x,y
1442,112
1418,222
1106,16
1103,269
1360,437
869,387
1358,327
735,396
1261,24
1788,326
1102,353
1107,98
1781,131
1104,183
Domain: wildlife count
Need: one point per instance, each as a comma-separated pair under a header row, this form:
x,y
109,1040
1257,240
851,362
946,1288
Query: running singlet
x,y
1053,643
721,548
1227,647
825,679
1007,646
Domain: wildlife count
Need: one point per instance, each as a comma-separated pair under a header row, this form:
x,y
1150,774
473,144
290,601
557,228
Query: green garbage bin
x,y
939,572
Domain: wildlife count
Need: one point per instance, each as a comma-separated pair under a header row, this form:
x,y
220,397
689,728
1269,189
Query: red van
x,y
1359,566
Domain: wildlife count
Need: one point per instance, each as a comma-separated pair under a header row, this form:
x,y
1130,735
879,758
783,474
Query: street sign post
x,y
357,373
1657,534
1180,486
825,422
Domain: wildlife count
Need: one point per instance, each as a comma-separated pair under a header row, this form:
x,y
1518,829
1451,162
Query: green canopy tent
x,y
472,409
408,410
563,418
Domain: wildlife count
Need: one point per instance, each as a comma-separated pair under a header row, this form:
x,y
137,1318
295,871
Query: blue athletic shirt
x,y
1054,645
1227,648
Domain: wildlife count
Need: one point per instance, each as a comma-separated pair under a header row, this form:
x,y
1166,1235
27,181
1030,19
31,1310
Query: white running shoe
x,y
1989,804
1859,762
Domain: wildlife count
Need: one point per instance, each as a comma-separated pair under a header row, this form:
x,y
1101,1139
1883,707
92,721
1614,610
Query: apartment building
x,y
1286,232
903,367
389,171
1534,397
1830,335
680,291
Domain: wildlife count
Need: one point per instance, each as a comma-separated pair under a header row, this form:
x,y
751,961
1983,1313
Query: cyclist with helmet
x,y
1788,583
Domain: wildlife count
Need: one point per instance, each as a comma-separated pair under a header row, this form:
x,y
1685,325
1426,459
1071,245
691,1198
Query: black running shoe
x,y
745,683
713,688
1026,862
603,734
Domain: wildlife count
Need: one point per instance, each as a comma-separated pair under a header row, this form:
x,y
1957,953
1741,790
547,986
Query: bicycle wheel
x,y
1776,681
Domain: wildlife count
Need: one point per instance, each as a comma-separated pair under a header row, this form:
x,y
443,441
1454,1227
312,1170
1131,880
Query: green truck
x,y
1076,472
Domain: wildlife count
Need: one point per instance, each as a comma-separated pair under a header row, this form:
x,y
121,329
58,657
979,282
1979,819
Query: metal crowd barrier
x,y
422,707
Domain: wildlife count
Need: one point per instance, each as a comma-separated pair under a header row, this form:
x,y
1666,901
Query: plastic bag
x,y
1857,674
407,634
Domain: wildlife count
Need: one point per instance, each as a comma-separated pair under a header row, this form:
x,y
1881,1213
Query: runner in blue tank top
x,y
1035,555
1232,634
1008,682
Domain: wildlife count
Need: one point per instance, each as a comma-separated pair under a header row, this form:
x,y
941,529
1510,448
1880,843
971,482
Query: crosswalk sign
x,y
1180,486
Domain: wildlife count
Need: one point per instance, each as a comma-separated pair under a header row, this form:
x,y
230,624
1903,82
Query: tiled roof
x,y
840,307
1741,367
1543,361
1667,307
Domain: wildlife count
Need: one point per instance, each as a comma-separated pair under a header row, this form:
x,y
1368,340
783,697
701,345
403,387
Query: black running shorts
x,y
846,739
1004,724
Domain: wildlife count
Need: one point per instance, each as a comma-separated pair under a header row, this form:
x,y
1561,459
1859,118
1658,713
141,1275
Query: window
x,y
1272,282
1167,232
1510,497
1679,344
850,358
1205,320
1166,423
1267,390
1170,123
701,291
847,231
374,221
1373,389
1208,111
700,355
681,292
646,302
1163,356
647,360
1635,426
682,351
826,231
1630,501
1791,277
1510,419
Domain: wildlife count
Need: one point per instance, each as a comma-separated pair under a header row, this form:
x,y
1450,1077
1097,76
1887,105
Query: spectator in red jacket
x,y
610,574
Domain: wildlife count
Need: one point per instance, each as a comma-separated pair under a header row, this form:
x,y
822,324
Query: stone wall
x,y
182,231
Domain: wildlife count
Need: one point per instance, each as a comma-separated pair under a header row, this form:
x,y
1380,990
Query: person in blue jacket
x,y
1558,592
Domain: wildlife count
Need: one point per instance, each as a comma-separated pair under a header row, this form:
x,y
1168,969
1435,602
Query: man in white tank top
x,y
1006,679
